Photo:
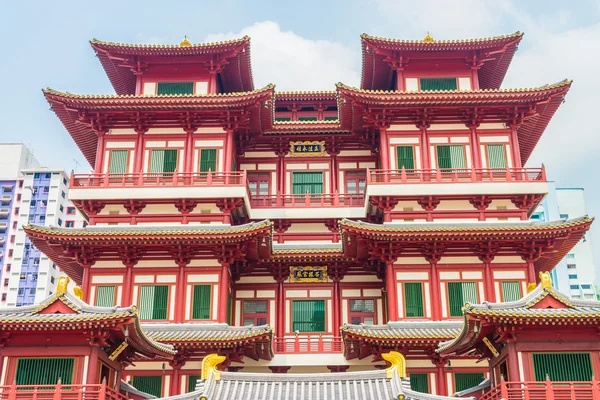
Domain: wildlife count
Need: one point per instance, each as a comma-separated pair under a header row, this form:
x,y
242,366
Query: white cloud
x,y
292,62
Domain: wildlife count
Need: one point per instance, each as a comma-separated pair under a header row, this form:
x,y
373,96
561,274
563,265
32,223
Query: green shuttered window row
x,y
405,157
303,182
208,160
413,299
438,84
201,304
419,383
460,293
163,160
44,371
174,88
308,315
563,366
301,119
452,156
153,302
496,156
148,384
467,380
511,290
105,296
118,162
192,381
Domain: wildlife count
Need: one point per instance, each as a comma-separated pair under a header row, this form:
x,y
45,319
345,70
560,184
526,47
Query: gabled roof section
x,y
495,53
65,312
120,61
306,95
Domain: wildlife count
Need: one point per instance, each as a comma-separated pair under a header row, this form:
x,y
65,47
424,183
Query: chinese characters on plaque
x,y
308,148
308,274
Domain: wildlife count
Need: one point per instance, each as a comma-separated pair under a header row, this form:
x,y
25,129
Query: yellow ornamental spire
x,y
428,38
185,42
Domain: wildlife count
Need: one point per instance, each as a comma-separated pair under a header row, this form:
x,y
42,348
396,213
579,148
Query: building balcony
x,y
308,345
464,181
299,206
60,392
544,390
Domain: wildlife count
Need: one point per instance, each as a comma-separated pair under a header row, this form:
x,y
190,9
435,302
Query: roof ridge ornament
x,y
545,280
428,38
185,42
398,363
209,364
63,283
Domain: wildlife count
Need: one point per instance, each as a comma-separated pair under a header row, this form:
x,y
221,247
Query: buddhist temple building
x,y
371,242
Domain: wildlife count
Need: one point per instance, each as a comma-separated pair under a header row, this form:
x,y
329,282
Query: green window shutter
x,y
467,380
192,381
311,182
469,290
443,157
105,296
438,84
153,302
157,160
457,156
330,118
460,293
201,303
419,383
175,88
146,305
44,371
405,157
511,291
283,119
301,119
496,156
308,315
208,160
170,161
148,384
413,295
118,162
563,366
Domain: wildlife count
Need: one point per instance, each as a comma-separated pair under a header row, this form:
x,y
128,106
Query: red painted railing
x,y
59,392
307,200
155,179
454,175
545,390
307,344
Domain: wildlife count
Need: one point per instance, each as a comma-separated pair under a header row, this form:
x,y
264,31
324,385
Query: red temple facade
x,y
309,231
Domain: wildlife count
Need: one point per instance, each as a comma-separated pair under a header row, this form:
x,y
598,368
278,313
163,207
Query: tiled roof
x,y
438,43
192,47
170,333
406,330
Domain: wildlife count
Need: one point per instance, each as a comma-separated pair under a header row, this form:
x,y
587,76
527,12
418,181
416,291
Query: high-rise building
x,y
310,231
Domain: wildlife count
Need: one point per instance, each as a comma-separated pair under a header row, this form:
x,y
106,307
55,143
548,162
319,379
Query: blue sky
x,y
301,46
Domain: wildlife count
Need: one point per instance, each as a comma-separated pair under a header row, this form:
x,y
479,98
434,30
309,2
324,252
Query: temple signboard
x,y
307,148
308,274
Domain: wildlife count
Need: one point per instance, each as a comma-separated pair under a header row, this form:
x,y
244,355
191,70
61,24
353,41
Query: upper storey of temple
x,y
429,64
187,68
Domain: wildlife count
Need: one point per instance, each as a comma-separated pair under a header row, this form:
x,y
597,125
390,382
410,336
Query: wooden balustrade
x,y
59,392
307,344
158,179
545,390
307,200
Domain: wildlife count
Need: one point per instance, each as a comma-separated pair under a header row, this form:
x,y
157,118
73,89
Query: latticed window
x,y
563,366
511,290
362,311
174,88
192,381
496,156
413,299
438,84
255,312
44,371
307,182
163,160
201,302
258,183
208,160
460,293
405,156
105,296
118,162
153,302
148,384
467,380
419,383
452,156
308,315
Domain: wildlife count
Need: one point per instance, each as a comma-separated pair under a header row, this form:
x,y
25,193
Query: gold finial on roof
x,y
209,364
428,38
185,42
63,283
78,292
398,362
531,286
545,279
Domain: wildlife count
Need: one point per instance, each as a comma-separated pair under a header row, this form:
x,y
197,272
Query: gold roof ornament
x,y
209,364
398,362
185,42
531,287
545,279
428,38
78,292
63,283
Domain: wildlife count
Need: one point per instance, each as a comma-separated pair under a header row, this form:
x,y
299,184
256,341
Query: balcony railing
x,y
307,200
545,390
159,179
59,392
455,175
307,344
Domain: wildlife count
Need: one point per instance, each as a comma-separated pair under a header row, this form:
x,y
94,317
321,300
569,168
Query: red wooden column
x,y
384,148
228,150
175,386
180,293
280,273
127,300
423,126
390,287
486,255
93,364
530,253
514,141
138,165
513,363
441,384
188,165
433,254
99,152
336,274
223,293
85,283
475,150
